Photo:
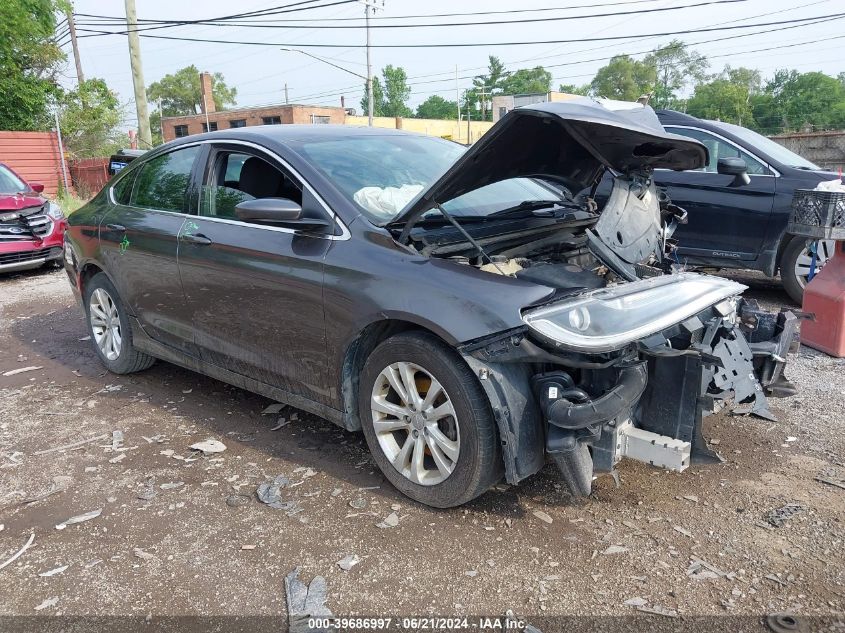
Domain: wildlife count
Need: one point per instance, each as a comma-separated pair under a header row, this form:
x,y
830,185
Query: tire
x,y
101,298
791,268
458,415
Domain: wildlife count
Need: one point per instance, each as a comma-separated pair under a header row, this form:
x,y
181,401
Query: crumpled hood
x,y
18,201
569,142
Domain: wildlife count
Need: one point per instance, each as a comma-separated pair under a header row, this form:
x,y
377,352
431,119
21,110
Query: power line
x,y
437,25
831,17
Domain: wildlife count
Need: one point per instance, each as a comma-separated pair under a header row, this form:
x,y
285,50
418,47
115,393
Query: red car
x,y
31,227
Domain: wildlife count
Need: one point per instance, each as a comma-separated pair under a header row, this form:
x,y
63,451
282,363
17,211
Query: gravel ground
x,y
180,533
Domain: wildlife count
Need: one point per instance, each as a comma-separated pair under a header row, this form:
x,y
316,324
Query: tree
x,y
488,85
396,91
89,119
575,90
436,107
29,62
527,81
378,99
623,78
675,68
812,98
181,95
728,97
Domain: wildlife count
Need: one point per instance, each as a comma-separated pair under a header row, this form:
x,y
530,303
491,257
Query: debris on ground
x,y
702,570
359,504
830,482
49,602
681,530
778,516
248,547
615,549
149,492
15,372
658,610
391,520
209,446
118,459
53,572
172,485
59,484
348,562
80,518
65,447
17,554
116,440
273,409
270,493
144,555
281,422
305,602
635,602
545,518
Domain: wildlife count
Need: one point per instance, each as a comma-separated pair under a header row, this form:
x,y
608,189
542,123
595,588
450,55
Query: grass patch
x,y
69,203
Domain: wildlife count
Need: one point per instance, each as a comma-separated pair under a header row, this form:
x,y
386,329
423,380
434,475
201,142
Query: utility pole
x,y
80,77
144,132
370,4
458,100
286,93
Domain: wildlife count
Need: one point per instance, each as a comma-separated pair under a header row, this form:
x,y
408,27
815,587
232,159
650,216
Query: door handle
x,y
116,227
197,238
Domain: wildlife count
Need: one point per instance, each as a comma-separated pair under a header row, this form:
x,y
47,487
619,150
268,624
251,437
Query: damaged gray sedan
x,y
472,312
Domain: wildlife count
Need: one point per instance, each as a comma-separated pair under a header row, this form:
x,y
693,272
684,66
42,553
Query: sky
x,y
260,72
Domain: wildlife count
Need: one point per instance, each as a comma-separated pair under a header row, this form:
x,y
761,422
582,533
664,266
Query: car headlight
x,y
54,211
610,318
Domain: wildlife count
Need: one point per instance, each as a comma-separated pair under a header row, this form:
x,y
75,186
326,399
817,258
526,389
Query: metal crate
x,y
818,214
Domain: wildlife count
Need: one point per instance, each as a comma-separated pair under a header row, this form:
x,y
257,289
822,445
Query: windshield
x,y
382,174
768,146
9,183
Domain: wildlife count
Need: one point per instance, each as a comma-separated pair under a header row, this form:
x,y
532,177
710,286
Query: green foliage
x,y
675,67
396,91
68,202
436,107
29,61
812,98
527,81
390,96
181,95
575,90
728,97
623,78
89,117
378,99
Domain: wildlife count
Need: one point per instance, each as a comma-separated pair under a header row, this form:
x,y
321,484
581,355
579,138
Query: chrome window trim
x,y
775,173
345,235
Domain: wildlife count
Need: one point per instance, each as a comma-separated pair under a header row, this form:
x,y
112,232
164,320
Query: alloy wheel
x,y
105,323
415,423
802,265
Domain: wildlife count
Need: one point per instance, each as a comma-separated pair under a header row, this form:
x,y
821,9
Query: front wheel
x,y
110,330
795,263
427,421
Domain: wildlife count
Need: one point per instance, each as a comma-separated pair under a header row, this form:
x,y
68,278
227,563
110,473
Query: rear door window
x,y
162,182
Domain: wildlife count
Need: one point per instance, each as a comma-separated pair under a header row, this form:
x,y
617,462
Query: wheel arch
x,y
358,351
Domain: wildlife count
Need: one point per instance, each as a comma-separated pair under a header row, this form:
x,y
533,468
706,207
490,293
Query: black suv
x,y
739,203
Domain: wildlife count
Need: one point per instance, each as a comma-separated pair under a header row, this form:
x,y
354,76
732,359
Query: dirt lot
x,y
182,533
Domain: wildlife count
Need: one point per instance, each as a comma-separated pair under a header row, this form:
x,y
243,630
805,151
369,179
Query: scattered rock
x,y
545,518
359,504
615,549
49,602
173,485
681,530
270,493
209,446
247,547
635,602
273,408
348,562
778,516
391,520
144,555
237,500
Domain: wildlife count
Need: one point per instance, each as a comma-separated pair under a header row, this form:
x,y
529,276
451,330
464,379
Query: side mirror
x,y
277,212
37,187
733,166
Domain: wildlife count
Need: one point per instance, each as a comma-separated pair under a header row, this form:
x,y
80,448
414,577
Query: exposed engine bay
x,y
630,352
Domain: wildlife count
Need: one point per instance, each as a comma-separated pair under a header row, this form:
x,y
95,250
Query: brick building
x,y
177,127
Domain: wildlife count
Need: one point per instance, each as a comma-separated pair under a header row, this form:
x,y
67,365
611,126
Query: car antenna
x,y
469,237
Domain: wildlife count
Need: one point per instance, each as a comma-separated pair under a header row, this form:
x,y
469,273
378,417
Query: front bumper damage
x,y
645,402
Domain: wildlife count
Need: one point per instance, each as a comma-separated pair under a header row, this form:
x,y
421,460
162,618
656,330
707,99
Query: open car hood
x,y
569,142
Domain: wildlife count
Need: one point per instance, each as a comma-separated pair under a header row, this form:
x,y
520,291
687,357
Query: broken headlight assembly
x,y
611,318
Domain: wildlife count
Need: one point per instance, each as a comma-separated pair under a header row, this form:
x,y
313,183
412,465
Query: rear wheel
x,y
428,422
795,263
110,330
